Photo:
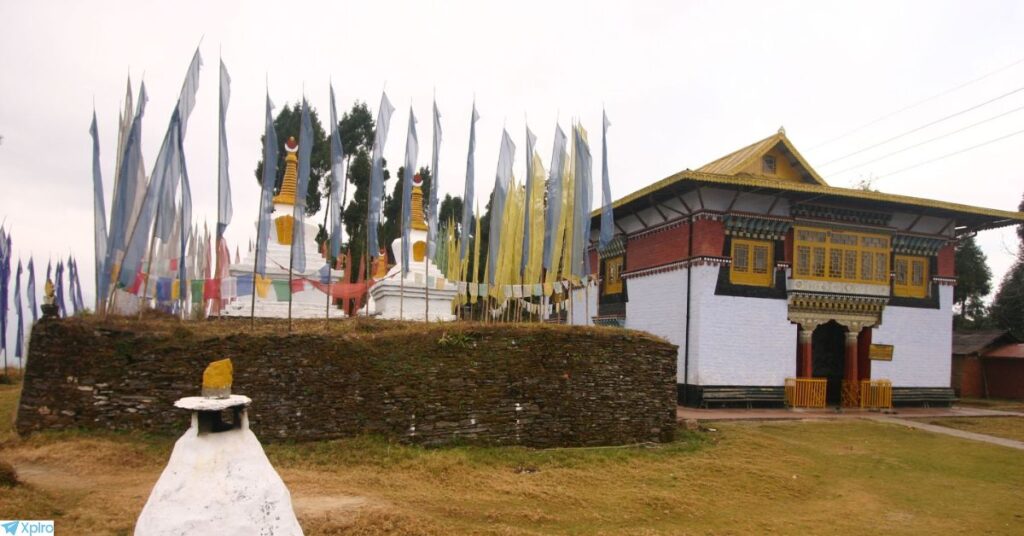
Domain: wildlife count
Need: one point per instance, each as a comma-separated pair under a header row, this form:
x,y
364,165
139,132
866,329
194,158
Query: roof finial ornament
x,y
782,130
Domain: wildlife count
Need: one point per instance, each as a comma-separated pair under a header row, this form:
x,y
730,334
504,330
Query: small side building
x,y
988,364
761,272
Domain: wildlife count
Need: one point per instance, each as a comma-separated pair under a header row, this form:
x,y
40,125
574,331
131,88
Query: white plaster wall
x,y
922,342
735,340
584,306
657,305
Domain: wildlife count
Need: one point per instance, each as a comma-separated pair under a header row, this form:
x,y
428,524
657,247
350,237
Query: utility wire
x,y
939,137
937,121
916,104
954,153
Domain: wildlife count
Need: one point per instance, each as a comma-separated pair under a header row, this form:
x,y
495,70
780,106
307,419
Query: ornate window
x,y
911,280
613,275
751,262
847,256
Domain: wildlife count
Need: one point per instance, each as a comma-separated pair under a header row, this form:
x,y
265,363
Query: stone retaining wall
x,y
539,386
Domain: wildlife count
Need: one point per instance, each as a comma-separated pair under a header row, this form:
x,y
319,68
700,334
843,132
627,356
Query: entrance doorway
x,y
829,354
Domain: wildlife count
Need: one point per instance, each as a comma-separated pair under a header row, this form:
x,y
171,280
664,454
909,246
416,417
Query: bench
x,y
725,395
924,396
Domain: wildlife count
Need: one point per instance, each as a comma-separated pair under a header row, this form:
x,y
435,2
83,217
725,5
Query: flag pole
x,y
327,308
255,258
291,260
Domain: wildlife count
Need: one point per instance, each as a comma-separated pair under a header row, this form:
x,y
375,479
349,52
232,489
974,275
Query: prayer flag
x,y
58,288
531,140
263,285
282,292
501,181
228,288
376,193
122,208
224,211
325,273
211,289
267,188
338,180
19,332
607,222
581,205
435,186
412,147
298,285
299,212
31,290
163,289
468,193
78,287
244,285
99,214
5,275
554,210
197,290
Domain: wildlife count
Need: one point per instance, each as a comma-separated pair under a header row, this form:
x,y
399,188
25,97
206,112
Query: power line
x,y
916,104
939,137
954,153
913,130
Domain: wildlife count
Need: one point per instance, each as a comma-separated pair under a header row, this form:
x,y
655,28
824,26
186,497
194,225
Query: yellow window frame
x,y
840,255
911,276
752,263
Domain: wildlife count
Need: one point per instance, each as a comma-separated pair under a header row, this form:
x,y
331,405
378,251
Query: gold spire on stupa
x,y
419,222
291,176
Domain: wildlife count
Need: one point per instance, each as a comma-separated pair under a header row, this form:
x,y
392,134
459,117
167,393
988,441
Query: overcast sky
x,y
683,83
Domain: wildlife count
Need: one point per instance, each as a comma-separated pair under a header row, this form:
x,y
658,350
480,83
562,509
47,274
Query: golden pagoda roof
x,y
289,185
737,161
723,172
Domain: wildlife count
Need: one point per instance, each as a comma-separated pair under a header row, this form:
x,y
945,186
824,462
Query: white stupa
x,y
410,299
218,479
310,303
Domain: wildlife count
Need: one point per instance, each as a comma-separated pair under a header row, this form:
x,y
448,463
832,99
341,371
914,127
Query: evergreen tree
x,y
287,124
1008,305
450,209
974,282
357,133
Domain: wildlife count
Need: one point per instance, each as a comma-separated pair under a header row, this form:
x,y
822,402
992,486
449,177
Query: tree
x,y
450,209
287,124
974,282
1008,305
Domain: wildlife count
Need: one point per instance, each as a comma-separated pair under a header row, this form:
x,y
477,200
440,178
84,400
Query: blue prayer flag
x,y
376,193
412,147
468,193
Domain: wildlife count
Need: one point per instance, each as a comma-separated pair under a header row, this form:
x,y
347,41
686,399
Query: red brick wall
x,y
595,266
708,238
947,265
966,380
655,249
787,247
1005,378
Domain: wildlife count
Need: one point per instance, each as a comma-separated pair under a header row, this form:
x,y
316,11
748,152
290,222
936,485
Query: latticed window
x,y
751,262
846,256
613,275
911,278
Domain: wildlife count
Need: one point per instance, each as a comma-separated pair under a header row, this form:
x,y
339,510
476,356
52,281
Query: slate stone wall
x,y
538,386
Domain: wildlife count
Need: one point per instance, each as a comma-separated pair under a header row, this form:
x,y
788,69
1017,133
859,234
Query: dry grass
x,y
1008,427
993,403
745,478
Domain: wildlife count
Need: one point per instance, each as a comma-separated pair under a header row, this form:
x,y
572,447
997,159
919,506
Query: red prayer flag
x,y
211,289
298,285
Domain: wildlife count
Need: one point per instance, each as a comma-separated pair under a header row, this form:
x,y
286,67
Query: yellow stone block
x,y
217,378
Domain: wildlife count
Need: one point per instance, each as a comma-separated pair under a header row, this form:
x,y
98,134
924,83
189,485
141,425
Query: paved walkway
x,y
1012,443
899,416
771,414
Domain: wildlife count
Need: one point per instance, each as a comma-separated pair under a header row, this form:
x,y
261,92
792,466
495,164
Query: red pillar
x,y
863,353
851,380
805,364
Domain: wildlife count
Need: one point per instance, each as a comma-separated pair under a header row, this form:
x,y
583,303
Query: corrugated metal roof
x,y
970,342
736,161
1013,351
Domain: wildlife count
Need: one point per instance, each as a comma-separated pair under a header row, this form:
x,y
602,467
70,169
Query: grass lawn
x,y
992,403
822,477
1008,427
